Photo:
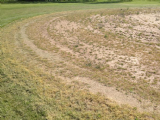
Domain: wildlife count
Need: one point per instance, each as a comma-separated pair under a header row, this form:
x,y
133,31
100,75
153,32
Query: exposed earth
x,y
115,53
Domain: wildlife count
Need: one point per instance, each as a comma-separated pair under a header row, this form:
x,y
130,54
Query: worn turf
x,y
67,65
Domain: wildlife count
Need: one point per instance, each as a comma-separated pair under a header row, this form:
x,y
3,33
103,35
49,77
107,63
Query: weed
x,y
105,36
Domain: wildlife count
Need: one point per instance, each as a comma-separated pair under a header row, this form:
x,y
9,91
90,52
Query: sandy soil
x,y
100,46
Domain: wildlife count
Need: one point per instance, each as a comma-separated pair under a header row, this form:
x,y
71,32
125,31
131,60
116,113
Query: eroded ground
x,y
113,52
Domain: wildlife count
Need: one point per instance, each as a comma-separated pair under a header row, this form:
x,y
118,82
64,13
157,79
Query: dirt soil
x,y
115,54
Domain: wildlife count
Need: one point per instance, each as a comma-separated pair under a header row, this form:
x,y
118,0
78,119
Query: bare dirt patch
x,y
116,55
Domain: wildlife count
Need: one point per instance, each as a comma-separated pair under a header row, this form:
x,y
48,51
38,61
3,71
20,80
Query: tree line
x,y
67,1
14,1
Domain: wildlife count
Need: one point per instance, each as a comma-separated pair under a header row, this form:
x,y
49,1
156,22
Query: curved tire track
x,y
95,87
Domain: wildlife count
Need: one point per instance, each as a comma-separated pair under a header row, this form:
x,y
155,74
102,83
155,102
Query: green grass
x,y
30,94
12,12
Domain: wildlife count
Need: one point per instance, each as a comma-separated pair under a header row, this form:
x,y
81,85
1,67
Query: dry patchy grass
x,y
87,52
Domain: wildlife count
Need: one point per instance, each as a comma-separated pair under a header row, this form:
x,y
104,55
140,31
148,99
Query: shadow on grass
x,y
104,2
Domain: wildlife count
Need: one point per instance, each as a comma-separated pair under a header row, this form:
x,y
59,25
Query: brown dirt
x,y
78,44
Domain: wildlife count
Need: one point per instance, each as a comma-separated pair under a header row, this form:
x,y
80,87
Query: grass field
x,y
80,61
12,12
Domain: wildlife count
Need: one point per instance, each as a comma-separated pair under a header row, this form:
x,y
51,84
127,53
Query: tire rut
x,y
94,86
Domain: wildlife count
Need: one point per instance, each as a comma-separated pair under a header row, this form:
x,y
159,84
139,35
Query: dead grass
x,y
101,48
